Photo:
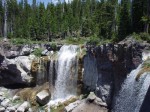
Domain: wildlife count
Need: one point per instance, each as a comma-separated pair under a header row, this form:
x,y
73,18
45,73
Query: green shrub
x,y
145,36
54,46
37,52
142,36
136,36
10,35
94,40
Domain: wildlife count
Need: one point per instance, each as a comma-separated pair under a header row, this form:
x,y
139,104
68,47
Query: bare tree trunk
x,y
5,19
147,28
148,13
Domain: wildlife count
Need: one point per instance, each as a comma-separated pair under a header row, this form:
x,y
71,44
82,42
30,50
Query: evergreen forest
x,y
103,19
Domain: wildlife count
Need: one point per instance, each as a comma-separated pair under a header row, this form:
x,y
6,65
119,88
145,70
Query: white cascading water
x,y
133,92
66,81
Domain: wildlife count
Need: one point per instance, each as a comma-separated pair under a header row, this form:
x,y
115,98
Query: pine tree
x,y
12,14
138,11
146,17
124,20
41,22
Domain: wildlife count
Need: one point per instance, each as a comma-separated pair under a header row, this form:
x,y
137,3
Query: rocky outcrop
x,y
71,106
16,63
9,50
15,71
92,103
106,66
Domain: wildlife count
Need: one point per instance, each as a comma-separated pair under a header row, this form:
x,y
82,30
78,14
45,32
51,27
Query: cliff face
x,y
106,66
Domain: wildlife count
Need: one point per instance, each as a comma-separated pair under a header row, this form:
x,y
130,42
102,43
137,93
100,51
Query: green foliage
x,y
147,64
20,41
145,68
94,40
54,46
136,36
142,36
75,40
37,52
145,36
79,18
124,20
139,9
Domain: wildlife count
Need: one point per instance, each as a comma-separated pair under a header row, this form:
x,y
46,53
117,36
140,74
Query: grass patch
x,y
59,109
93,40
21,41
75,41
29,94
61,106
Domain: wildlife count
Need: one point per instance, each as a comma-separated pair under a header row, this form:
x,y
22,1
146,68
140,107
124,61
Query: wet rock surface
x,y
91,104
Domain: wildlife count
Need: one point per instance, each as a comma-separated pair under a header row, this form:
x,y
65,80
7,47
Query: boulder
x,y
43,97
91,104
16,98
2,93
91,97
30,110
2,109
71,106
89,107
1,98
47,53
11,54
11,109
25,62
23,107
98,101
16,71
26,50
5,103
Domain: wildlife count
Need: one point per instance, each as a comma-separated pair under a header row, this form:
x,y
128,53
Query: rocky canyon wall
x,y
106,66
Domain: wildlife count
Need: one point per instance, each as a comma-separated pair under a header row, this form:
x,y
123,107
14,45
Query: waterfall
x,y
133,92
66,72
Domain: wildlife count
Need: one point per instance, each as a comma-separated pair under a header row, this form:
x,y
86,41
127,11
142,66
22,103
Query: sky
x,y
45,1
